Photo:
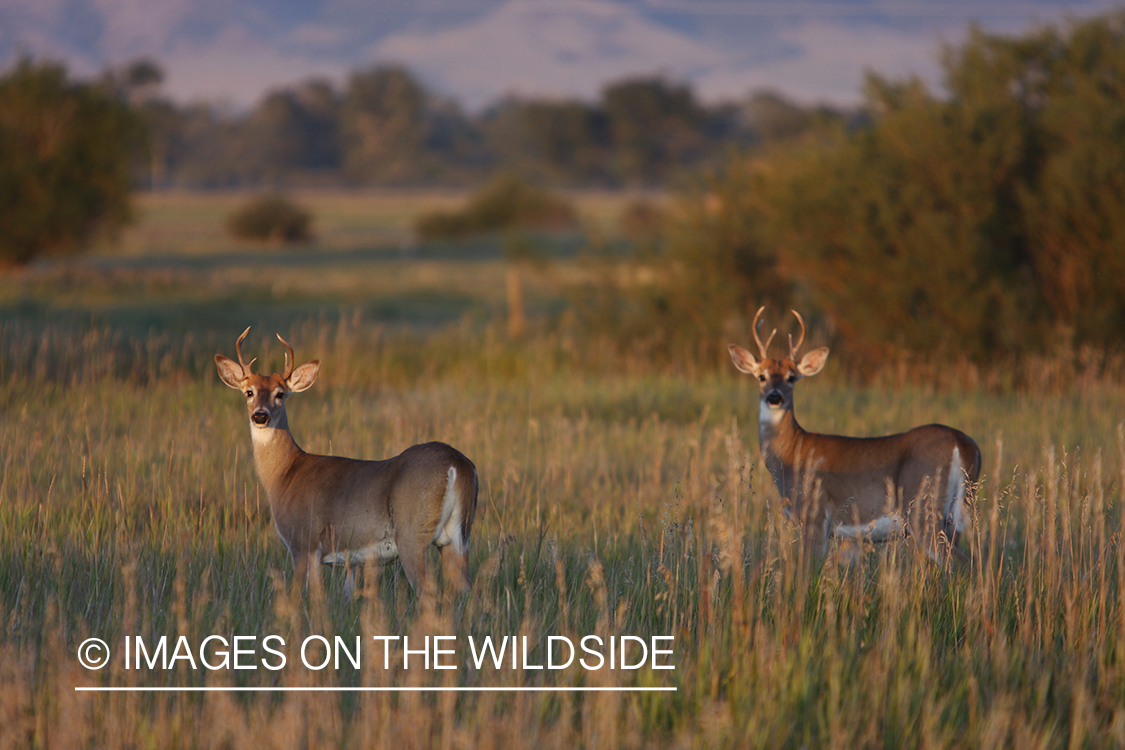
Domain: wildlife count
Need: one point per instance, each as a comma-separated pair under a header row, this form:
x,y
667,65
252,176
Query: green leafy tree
x,y
292,133
903,232
993,220
67,152
1062,91
561,142
383,125
985,223
655,127
138,84
393,131
772,117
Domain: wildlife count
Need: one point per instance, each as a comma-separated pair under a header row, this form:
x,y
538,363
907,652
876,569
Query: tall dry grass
x,y
615,499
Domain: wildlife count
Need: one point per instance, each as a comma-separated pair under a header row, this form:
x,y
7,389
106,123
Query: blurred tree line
x,y
71,151
985,222
385,128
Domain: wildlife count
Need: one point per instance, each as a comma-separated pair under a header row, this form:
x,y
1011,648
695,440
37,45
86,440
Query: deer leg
x,y
349,582
301,567
927,525
455,566
847,551
306,572
816,537
815,519
412,555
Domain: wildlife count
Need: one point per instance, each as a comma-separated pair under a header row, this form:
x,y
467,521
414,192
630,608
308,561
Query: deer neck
x,y
778,433
275,450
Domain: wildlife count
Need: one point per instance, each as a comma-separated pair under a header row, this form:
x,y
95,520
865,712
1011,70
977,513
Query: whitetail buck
x,y
912,483
342,511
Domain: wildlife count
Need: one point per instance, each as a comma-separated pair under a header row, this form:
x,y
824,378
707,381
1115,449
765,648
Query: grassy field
x,y
618,498
178,223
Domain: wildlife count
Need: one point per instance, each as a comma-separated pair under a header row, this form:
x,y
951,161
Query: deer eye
x,y
762,378
280,395
249,394
792,378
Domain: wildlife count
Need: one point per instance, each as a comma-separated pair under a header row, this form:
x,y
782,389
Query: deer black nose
x,y
260,417
774,399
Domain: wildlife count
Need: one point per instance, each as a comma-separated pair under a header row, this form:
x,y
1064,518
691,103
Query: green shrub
x,y
66,154
506,202
271,218
643,223
986,223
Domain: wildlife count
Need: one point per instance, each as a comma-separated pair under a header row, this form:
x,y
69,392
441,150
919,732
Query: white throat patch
x,y
262,435
768,415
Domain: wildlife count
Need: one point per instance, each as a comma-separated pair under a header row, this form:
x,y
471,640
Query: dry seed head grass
x,y
128,527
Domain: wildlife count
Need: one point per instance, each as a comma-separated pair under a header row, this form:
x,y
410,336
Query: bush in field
x,y
642,222
271,218
66,152
506,202
699,273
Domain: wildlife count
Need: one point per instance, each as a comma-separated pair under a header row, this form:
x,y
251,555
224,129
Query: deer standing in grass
x,y
343,511
913,483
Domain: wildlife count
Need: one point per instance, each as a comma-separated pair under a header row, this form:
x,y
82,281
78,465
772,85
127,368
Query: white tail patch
x,y
955,493
449,527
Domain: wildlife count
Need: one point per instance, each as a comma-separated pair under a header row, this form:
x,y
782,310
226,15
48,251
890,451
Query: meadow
x,y
619,497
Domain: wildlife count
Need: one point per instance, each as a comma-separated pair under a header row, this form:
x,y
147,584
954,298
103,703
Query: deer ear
x,y
304,376
230,372
744,360
813,362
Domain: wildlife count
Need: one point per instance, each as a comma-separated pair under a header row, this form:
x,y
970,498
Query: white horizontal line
x,y
438,689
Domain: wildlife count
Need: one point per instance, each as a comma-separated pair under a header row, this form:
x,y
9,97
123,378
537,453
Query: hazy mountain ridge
x,y
236,51
478,51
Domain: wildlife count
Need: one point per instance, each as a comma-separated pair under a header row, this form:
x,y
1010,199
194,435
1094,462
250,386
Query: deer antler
x,y
238,349
289,358
762,348
794,349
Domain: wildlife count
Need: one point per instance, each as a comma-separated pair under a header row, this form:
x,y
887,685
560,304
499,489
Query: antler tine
x,y
238,350
794,349
289,358
762,348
